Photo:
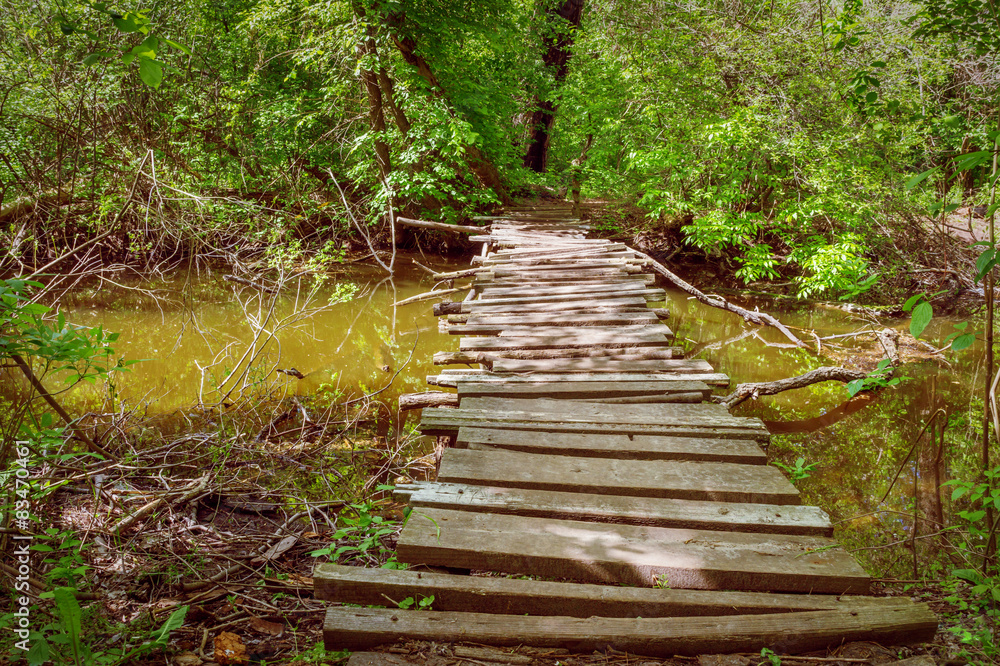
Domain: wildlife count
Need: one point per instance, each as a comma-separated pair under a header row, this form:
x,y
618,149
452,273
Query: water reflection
x,y
347,336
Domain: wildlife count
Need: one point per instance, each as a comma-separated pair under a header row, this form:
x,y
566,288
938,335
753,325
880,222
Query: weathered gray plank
x,y
452,380
608,365
691,391
577,410
583,370
361,628
514,331
437,421
623,289
513,596
569,278
623,447
657,512
629,554
563,319
587,339
672,479
446,358
625,303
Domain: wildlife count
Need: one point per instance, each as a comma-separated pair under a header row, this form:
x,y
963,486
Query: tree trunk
x,y
480,165
368,56
556,59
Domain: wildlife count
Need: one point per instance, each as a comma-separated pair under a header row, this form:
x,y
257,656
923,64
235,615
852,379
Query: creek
x,y
199,329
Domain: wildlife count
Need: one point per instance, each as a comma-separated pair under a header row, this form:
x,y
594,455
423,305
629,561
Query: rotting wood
x,y
629,554
587,339
513,596
623,304
611,445
656,512
409,401
668,391
439,226
665,373
487,359
430,294
674,479
448,421
360,628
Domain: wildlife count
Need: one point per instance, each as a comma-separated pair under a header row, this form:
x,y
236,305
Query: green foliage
x,y
424,603
769,657
876,379
799,470
361,537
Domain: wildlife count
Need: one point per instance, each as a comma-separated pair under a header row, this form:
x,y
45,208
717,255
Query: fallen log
x,y
888,338
466,272
409,401
431,294
758,318
439,226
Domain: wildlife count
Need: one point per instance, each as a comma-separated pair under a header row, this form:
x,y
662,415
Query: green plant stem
x,y
991,539
26,369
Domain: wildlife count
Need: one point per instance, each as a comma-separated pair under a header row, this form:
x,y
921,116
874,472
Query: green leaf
x,y
972,160
916,180
912,300
963,342
968,575
175,621
180,47
150,72
67,28
854,387
126,23
95,57
922,315
70,615
986,261
953,121
39,652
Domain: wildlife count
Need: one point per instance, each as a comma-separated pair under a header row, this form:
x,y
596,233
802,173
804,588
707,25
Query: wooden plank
x,y
571,278
563,257
580,292
559,416
572,409
671,479
601,365
691,391
548,330
566,340
581,370
630,303
513,596
552,290
446,358
362,628
437,421
562,319
452,380
657,512
629,554
564,298
622,447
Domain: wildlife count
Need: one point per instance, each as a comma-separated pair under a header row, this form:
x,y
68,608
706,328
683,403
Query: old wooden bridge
x,y
587,468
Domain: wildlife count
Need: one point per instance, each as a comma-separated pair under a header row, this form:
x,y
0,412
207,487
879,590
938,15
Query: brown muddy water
x,y
350,337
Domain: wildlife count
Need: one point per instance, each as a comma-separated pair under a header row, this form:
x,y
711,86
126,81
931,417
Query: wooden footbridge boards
x,y
592,497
